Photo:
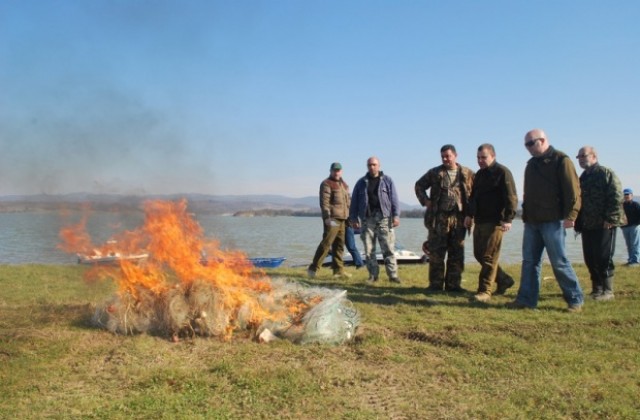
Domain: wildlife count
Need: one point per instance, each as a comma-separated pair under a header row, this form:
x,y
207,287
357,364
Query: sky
x,y
260,97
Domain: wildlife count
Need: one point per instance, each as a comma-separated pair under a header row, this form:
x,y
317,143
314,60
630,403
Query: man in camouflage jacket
x,y
600,215
446,204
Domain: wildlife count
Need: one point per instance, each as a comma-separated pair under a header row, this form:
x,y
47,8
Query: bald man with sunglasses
x,y
551,205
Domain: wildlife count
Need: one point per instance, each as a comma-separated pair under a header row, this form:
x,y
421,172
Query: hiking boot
x,y
343,275
603,297
455,289
516,305
595,294
311,274
503,286
482,297
395,280
574,308
372,279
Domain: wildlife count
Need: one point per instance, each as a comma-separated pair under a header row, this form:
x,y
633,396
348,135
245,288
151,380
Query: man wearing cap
x,y
601,213
631,231
334,205
376,207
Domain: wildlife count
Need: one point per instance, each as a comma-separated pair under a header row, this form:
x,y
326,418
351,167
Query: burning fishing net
x,y
175,292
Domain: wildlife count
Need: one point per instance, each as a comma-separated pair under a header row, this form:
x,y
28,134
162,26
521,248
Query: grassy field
x,y
413,357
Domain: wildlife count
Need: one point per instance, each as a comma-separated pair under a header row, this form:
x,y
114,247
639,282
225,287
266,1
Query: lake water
x,y
32,237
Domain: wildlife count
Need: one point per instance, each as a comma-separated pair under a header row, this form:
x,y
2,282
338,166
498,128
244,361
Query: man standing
x,y
492,207
376,207
601,213
551,205
631,231
334,204
450,187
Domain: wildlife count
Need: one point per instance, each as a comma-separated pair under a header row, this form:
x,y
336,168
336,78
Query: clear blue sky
x,y
259,97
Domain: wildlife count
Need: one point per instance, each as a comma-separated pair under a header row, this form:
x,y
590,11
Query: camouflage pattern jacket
x,y
334,199
551,188
601,199
434,181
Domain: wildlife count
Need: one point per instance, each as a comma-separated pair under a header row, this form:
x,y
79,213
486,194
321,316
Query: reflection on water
x,y
32,237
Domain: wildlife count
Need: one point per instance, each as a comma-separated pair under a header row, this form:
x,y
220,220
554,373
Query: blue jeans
x,y
537,237
632,239
350,244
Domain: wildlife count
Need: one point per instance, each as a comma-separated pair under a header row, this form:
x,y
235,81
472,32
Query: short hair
x,y
487,146
448,147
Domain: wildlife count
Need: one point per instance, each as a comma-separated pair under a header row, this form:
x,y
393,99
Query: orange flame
x,y
175,245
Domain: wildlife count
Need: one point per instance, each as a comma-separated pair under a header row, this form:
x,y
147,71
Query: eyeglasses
x,y
627,194
530,143
583,155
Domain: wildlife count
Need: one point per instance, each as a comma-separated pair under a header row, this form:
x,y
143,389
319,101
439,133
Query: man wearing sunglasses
x,y
551,205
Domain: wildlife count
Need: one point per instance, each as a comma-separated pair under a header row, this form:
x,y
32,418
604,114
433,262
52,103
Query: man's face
x,y
534,145
485,159
373,166
448,159
628,197
586,158
336,174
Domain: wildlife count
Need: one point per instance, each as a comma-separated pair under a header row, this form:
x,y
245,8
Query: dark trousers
x,y
332,239
598,247
446,241
487,242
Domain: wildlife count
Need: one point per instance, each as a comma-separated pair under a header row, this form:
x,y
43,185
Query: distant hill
x,y
199,203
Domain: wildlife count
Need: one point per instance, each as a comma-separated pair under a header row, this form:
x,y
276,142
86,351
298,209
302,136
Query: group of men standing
x,y
457,201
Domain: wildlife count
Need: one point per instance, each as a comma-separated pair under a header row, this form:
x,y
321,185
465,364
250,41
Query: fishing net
x,y
298,313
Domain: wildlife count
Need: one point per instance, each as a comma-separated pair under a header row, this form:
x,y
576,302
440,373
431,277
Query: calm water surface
x,y
32,237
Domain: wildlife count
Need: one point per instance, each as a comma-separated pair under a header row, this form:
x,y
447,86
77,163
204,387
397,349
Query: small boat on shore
x,y
111,258
403,256
267,262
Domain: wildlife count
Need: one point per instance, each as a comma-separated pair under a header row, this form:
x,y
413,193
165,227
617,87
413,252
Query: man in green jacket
x,y
551,205
334,205
600,215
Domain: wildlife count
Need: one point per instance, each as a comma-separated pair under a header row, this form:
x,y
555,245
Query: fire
x,y
187,285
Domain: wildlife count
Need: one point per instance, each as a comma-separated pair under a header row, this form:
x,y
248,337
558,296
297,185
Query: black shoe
x,y
395,280
506,284
433,289
455,289
372,279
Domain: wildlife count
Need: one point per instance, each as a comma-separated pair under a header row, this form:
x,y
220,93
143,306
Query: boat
x,y
111,258
267,262
258,262
403,256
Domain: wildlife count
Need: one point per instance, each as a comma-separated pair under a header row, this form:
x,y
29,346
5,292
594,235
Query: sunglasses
x,y
530,143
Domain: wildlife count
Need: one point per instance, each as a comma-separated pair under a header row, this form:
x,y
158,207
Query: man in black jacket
x,y
492,207
631,231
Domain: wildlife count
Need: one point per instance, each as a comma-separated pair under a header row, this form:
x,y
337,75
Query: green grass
x,y
413,357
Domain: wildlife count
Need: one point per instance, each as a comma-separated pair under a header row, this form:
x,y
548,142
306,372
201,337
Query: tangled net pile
x,y
176,294
300,314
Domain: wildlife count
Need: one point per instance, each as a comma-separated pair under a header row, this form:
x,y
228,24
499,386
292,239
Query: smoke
x,y
97,140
